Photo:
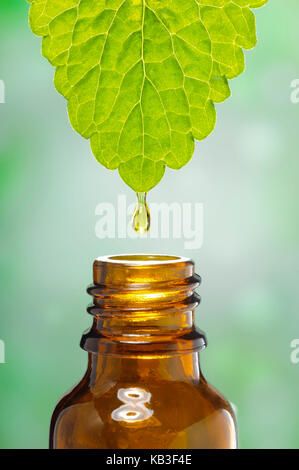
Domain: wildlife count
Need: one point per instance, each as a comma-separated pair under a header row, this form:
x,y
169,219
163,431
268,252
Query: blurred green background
x,y
247,178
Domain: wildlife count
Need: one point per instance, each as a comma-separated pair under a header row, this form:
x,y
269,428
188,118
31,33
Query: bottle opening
x,y
141,268
142,259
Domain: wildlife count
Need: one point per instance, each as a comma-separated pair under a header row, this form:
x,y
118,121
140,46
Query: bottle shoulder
x,y
214,396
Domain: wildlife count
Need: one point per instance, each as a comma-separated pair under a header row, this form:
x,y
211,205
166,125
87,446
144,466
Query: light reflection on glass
x,y
134,408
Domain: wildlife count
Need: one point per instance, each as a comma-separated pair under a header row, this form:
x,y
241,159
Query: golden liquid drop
x,y
141,219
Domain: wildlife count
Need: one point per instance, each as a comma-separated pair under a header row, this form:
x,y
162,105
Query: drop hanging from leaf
x,y
141,219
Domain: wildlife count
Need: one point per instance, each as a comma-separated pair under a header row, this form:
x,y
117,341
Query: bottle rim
x,y
142,259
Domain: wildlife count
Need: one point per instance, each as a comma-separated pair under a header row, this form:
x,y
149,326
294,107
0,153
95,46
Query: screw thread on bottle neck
x,y
144,302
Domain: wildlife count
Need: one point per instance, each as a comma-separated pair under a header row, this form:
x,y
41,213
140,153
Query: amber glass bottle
x,y
143,388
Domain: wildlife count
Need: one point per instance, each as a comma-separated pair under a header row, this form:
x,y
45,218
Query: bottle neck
x,y
143,307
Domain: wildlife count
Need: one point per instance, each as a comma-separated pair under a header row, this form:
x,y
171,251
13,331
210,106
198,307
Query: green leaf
x,y
141,76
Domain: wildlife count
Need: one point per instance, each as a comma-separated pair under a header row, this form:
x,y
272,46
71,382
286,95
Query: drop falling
x,y
141,218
